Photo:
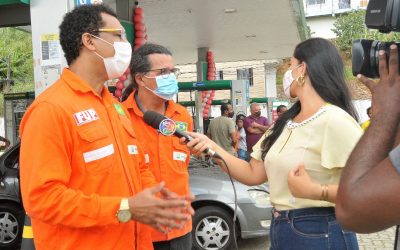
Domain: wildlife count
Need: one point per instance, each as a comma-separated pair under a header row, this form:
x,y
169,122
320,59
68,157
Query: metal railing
x,y
331,7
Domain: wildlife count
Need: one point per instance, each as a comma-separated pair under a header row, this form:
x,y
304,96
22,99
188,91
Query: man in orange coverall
x,y
82,168
153,87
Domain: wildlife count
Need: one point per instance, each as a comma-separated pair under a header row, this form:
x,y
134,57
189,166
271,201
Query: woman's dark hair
x,y
140,63
82,19
326,72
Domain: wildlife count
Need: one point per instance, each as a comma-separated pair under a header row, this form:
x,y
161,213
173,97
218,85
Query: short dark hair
x,y
82,19
140,63
224,107
240,118
280,107
368,109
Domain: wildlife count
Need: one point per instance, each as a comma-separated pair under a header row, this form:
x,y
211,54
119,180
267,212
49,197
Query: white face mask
x,y
117,64
287,82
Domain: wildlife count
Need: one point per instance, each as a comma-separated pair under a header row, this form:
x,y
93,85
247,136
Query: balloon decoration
x,y
140,38
140,28
208,96
122,82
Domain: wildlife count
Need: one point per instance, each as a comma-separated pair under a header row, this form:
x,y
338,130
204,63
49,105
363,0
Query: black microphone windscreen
x,y
153,118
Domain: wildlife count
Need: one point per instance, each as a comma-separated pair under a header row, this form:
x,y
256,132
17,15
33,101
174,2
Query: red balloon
x,y
120,85
209,101
118,93
122,78
139,11
139,26
139,41
140,33
138,19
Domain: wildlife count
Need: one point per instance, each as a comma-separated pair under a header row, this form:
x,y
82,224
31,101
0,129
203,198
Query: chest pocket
x,y
180,153
134,148
97,148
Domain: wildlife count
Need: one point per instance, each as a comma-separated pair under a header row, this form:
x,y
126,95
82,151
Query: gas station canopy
x,y
234,30
14,13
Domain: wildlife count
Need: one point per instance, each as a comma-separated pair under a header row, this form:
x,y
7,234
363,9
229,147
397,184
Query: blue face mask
x,y
167,87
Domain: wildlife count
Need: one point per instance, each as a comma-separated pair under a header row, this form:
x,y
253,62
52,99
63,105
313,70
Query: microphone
x,y
167,127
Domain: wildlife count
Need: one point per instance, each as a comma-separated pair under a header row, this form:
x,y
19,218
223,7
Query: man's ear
x,y
139,79
87,41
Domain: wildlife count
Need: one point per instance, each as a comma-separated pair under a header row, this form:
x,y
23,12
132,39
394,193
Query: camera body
x,y
383,15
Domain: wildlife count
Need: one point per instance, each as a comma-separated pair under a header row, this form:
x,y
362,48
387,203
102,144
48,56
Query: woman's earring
x,y
301,80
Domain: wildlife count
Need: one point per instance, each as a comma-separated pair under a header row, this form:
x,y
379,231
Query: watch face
x,y
124,215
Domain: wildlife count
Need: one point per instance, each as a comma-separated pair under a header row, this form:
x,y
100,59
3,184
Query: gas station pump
x,y
239,92
15,105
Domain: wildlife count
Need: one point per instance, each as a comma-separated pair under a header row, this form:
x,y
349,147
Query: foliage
x,y
349,27
17,44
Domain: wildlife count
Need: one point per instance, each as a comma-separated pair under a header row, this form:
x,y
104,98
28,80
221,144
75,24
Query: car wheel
x,y
212,229
11,225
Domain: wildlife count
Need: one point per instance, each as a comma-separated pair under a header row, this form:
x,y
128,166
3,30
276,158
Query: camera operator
x,y
368,199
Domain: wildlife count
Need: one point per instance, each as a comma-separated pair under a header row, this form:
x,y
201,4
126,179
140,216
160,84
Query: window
x,y
344,4
312,2
245,74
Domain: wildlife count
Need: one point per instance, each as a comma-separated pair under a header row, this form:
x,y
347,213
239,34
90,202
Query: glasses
x,y
164,73
119,32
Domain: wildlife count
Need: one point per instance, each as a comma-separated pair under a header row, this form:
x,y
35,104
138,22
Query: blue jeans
x,y
243,154
309,229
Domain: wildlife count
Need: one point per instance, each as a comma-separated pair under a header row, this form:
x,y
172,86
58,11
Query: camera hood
x,y
383,15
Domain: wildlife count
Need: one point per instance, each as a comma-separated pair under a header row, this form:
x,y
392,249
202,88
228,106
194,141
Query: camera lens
x,y
361,57
365,56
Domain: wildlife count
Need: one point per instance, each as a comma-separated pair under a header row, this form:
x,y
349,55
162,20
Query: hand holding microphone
x,y
197,143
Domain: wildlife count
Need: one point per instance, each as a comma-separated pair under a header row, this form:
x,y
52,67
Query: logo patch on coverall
x,y
132,149
181,126
85,116
119,109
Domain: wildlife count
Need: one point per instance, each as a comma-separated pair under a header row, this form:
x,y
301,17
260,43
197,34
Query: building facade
x,y
320,14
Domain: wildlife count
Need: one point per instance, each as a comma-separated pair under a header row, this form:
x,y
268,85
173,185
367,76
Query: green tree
x,y
351,26
17,44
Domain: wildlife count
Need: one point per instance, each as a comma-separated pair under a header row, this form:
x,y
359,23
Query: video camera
x,y
383,15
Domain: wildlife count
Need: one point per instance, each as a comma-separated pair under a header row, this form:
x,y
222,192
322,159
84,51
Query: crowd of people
x,y
100,169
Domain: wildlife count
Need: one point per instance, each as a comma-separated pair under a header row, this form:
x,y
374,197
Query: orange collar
x,y
77,84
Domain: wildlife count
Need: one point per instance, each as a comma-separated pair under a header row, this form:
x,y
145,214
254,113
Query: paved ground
x,y
377,241
383,240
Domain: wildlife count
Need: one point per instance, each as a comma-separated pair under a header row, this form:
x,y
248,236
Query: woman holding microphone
x,y
303,154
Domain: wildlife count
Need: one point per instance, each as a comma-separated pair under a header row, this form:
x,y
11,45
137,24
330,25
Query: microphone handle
x,y
188,138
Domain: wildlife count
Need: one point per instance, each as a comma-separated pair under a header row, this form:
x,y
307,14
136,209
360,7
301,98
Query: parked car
x,y
11,209
214,206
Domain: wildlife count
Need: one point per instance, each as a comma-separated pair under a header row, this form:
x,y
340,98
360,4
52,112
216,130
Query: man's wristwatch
x,y
124,214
